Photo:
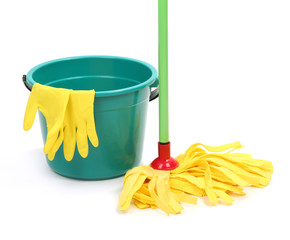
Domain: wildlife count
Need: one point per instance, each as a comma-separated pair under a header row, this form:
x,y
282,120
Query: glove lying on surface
x,y
78,126
70,119
52,102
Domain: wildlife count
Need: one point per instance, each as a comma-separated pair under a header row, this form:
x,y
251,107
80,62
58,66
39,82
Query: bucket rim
x,y
154,77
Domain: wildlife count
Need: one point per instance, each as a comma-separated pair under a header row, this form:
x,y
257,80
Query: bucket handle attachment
x,y
153,95
25,83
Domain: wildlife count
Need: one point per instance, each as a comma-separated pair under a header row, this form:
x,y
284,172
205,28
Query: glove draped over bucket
x,y
69,118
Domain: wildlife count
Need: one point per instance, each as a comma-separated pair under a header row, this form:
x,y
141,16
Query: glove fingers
x,y
50,141
69,142
30,112
62,109
92,134
82,142
54,126
56,146
54,108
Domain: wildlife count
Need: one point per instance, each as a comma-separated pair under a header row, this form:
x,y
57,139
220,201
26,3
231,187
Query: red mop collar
x,y
164,161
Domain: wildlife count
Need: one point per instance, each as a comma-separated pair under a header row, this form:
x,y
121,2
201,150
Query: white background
x,y
229,74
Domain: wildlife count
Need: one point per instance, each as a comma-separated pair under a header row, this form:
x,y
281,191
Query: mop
x,y
214,172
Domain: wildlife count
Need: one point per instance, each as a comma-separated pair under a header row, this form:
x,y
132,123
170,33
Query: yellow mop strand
x,y
215,173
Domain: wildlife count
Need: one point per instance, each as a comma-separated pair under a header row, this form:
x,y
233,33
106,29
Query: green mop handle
x,y
163,71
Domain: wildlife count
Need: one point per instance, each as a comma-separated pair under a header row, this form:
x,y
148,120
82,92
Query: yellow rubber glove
x,y
78,126
52,102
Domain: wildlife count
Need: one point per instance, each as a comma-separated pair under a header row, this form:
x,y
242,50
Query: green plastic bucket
x,y
123,90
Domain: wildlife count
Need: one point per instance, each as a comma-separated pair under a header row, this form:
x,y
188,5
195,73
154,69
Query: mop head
x,y
214,172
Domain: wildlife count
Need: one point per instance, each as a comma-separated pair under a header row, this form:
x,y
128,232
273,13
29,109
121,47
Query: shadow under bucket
x,y
123,90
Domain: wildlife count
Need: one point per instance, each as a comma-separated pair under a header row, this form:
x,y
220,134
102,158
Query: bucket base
x,y
87,178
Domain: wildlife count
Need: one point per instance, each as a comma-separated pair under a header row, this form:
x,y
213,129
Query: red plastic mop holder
x,y
164,160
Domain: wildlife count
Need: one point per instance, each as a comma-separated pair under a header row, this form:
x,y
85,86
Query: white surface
x,y
229,74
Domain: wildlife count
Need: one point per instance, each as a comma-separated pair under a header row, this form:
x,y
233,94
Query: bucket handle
x,y
25,83
153,95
